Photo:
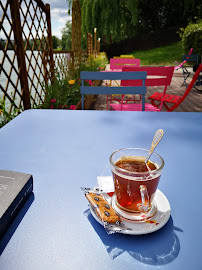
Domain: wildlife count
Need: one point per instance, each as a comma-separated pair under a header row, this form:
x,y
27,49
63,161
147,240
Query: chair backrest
x,y
183,62
119,63
193,58
187,91
156,76
106,90
125,56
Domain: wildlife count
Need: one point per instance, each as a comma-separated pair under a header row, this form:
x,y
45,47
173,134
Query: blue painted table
x,y
65,150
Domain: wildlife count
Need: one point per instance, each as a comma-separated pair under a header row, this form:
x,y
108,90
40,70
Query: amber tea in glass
x,y
135,182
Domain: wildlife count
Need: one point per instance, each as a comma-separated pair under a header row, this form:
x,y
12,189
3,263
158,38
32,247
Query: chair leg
x,y
198,83
109,100
157,105
186,74
122,101
166,106
154,104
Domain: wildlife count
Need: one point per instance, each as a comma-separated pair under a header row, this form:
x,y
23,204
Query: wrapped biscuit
x,y
104,211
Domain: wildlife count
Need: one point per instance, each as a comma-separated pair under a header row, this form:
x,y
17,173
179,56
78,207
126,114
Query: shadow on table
x,y
11,229
157,248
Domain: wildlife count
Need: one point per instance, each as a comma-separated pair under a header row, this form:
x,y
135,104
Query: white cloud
x,y
63,4
56,12
59,16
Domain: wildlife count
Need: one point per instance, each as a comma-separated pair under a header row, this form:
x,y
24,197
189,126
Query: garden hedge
x,y
192,38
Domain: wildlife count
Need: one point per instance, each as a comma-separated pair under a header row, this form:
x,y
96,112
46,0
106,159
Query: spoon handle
x,y
157,137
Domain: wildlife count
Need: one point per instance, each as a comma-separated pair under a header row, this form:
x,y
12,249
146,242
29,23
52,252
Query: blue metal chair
x,y
186,73
106,90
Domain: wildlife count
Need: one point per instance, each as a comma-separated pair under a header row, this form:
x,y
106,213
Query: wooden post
x,y
52,64
95,40
17,30
76,33
98,45
88,44
91,44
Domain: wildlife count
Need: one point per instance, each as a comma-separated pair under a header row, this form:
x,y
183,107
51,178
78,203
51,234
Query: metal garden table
x,y
65,150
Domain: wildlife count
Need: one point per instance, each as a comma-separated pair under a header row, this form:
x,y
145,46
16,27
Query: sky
x,y
59,16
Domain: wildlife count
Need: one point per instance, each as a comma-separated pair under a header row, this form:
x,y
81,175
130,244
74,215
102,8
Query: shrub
x,y
65,93
90,64
5,115
192,37
62,94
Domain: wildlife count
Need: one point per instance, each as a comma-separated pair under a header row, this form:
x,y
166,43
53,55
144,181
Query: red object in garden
x,y
173,99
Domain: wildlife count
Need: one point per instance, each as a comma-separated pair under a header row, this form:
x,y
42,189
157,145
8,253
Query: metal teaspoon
x,y
157,137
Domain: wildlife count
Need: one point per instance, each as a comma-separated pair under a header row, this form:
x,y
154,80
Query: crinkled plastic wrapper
x,y
104,212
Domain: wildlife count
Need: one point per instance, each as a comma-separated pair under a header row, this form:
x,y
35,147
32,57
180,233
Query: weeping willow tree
x,y
121,19
126,18
115,18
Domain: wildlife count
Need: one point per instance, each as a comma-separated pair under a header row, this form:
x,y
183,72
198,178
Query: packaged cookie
x,y
104,211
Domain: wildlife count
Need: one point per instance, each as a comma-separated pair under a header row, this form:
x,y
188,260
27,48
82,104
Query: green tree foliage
x,y
163,14
67,36
123,19
117,18
127,18
56,42
2,43
192,37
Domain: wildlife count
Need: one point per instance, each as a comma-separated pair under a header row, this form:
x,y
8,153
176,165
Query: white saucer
x,y
157,222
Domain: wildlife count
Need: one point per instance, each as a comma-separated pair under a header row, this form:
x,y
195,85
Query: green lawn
x,y
161,56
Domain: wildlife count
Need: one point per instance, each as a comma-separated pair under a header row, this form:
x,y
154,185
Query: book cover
x,y
15,188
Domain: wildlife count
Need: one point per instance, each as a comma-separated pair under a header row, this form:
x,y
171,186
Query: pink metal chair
x,y
156,76
185,72
116,64
119,63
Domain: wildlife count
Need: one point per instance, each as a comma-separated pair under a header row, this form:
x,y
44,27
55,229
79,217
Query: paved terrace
x,y
192,103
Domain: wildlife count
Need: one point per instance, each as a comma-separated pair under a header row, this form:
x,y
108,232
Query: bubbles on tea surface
x,y
132,165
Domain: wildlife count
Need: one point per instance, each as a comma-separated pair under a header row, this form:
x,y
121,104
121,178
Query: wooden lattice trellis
x,y
89,44
26,52
62,60
90,49
27,60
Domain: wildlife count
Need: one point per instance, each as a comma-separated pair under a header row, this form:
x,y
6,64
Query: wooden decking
x,y
192,103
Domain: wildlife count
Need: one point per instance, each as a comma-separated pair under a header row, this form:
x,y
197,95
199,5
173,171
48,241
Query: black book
x,y
15,188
